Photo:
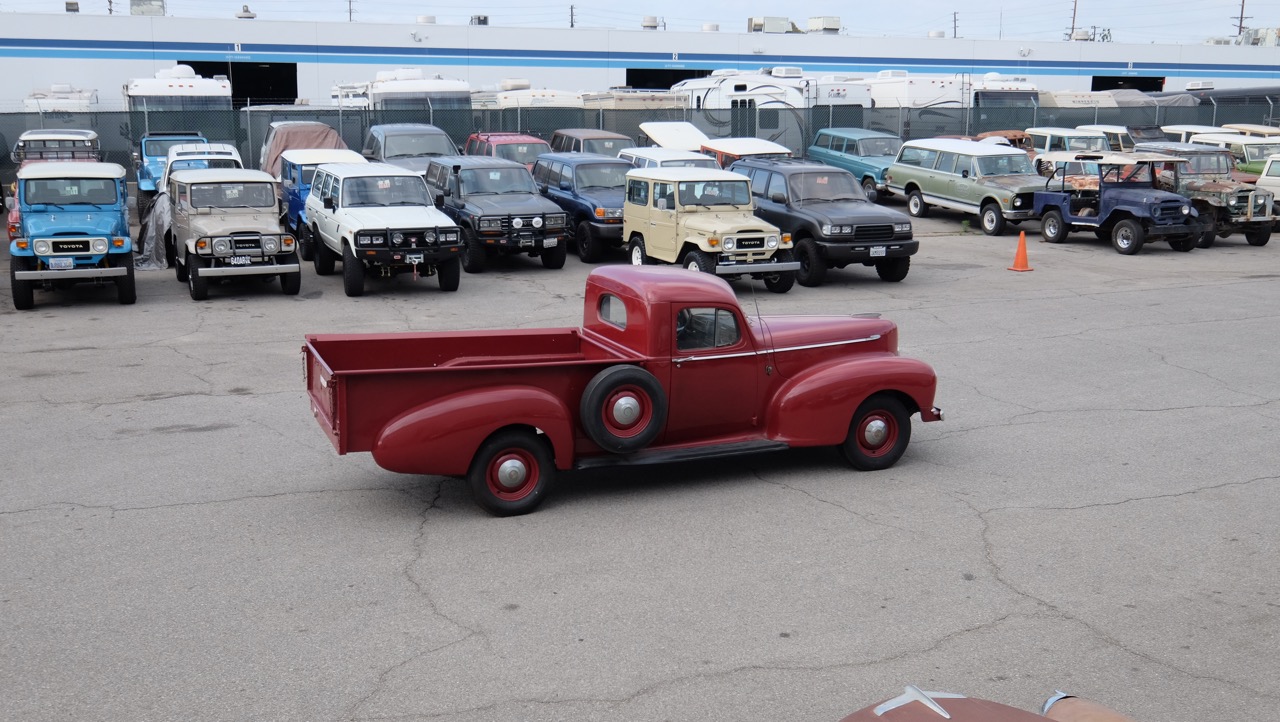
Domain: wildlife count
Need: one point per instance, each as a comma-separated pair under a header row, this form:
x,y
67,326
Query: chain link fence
x,y
246,128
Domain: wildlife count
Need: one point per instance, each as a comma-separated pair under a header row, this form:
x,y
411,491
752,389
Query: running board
x,y
667,456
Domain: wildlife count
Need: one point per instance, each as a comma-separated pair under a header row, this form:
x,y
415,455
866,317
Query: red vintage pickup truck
x,y
666,367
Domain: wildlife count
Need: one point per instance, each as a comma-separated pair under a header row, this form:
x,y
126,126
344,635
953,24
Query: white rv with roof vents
x,y
178,88
900,89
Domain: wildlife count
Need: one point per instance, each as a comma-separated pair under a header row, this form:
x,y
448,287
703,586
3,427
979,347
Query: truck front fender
x,y
441,436
816,407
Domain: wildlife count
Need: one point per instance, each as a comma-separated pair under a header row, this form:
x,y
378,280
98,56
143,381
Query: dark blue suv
x,y
590,188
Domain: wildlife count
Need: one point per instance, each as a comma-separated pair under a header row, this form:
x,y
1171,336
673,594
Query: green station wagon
x,y
995,182
864,153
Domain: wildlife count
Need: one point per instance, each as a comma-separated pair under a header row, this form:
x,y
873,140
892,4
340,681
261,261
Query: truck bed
x,y
360,382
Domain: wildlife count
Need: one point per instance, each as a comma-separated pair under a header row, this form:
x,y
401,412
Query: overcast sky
x,y
1136,21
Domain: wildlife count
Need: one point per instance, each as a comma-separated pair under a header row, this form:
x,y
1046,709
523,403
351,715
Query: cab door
x,y
661,240
715,373
181,205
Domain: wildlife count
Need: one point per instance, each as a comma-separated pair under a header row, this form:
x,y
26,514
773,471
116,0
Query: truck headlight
x,y
613,213
429,237
99,245
828,229
397,238
222,246
728,243
537,222
1232,200
1186,210
43,247
902,228
1017,202
270,244
450,237
846,229
555,220
492,224
771,241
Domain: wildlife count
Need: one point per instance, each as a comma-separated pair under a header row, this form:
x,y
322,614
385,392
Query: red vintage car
x,y
916,705
666,367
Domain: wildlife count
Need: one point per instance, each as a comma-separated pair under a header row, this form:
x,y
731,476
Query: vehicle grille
x,y
749,244
423,237
1169,212
246,243
873,233
526,223
79,245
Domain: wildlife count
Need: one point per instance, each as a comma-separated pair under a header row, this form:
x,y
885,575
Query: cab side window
x,y
664,196
706,328
823,141
638,192
759,180
946,163
777,185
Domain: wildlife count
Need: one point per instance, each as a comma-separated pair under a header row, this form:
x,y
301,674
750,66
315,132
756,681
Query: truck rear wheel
x,y
511,472
352,273
878,434
623,408
24,296
126,288
869,189
916,205
1127,237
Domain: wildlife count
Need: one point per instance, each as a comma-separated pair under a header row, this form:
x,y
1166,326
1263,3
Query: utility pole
x,y
1241,19
955,25
571,16
351,10
1075,5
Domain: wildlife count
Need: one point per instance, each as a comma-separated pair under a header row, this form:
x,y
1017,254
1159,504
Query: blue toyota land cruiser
x,y
590,188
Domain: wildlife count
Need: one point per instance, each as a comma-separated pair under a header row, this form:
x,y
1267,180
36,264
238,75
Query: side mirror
x,y
10,204
330,203
566,185
964,173
778,198
137,160
439,201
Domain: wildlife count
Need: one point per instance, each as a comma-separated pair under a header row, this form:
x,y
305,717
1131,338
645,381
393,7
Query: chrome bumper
x,y
69,273
266,269
737,269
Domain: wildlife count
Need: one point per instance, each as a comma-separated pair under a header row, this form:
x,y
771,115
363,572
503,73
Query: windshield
x,y
233,195
714,193
525,153
1209,164
435,101
601,175
179,102
71,191
691,163
1006,98
200,163
1004,164
824,187
495,181
876,147
1087,143
1258,152
415,146
1133,173
385,191
161,147
607,146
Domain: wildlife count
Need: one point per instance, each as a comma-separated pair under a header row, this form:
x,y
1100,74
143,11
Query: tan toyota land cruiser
x,y
704,220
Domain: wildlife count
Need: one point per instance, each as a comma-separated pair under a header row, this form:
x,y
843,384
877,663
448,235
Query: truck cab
x,y
705,221
73,227
152,156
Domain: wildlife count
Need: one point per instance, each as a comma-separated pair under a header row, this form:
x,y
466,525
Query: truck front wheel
x,y
623,408
324,258
510,473
1052,227
473,260
352,273
197,284
878,434
1259,235
126,288
782,281
304,243
698,260
635,250
449,274
992,220
1127,237
813,267
24,296
553,257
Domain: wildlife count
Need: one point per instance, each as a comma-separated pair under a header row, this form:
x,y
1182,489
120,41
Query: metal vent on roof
x,y
910,694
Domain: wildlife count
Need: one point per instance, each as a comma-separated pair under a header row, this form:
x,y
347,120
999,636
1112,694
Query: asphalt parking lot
x,y
1096,514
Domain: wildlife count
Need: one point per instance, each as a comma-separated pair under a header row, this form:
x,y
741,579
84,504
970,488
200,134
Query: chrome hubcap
x,y
626,411
512,473
875,433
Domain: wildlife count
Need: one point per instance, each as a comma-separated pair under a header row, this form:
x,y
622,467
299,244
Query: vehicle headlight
x,y
828,229
1017,202
222,246
1232,200
728,243
99,245
613,213
397,238
491,224
537,222
451,236
517,223
270,244
429,236
370,239
43,247
556,220
771,241
902,228
1186,210
846,229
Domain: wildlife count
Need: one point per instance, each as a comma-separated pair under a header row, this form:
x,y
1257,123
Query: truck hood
x,y
512,204
1022,183
803,339
89,223
605,198
223,223
397,217
850,212
714,224
1216,185
1145,195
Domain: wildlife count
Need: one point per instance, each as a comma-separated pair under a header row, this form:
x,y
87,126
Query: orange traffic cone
x,y
1020,259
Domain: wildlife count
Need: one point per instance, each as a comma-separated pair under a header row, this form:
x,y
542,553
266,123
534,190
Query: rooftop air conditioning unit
x,y
1200,85
826,25
479,19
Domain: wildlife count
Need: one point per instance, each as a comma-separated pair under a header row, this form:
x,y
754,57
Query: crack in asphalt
x,y
867,519
48,506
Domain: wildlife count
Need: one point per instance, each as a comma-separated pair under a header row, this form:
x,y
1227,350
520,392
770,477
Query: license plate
x,y
239,260
62,264
414,258
877,251
550,242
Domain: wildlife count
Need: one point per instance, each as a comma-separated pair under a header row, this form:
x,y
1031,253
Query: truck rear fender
x,y
441,436
816,407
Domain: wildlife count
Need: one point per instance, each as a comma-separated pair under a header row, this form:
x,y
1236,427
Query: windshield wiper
x,y
406,203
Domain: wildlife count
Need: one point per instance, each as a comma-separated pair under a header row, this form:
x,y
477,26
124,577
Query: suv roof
x,y
1172,147
1230,138
788,165
349,170
316,156
507,137
173,134
1106,158
685,174
222,175
476,161
967,147
1058,130
575,159
405,129
744,146
62,169
59,134
590,133
658,153
856,133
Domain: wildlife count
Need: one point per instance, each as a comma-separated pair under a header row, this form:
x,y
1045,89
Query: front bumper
x,y
531,243
90,272
1023,215
258,267
607,231
860,251
1193,227
727,267
393,256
